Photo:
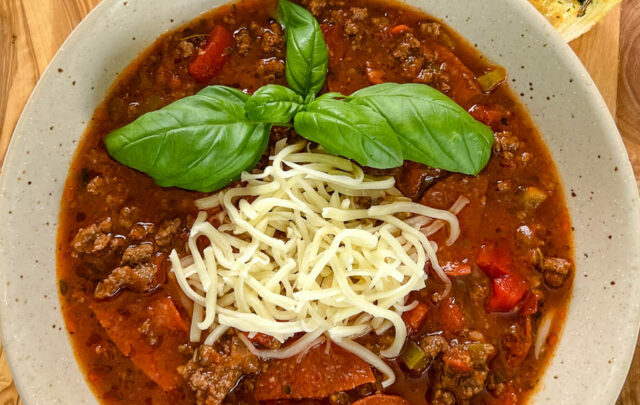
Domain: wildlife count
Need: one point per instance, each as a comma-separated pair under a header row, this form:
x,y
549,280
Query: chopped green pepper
x,y
490,80
479,352
414,357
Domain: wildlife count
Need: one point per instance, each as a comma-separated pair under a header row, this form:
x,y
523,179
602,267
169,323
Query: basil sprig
x,y
307,53
274,104
203,142
432,128
350,129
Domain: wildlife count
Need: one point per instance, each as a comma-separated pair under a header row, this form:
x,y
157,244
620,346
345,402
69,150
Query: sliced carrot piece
x,y
450,316
124,321
382,399
456,269
317,374
165,315
414,318
399,29
461,78
375,76
458,359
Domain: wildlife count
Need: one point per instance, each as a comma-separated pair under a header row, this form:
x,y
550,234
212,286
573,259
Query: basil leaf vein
x,y
354,131
274,104
307,59
201,142
432,128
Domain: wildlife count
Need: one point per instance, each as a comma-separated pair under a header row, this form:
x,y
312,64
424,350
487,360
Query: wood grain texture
x,y
599,45
31,31
628,114
628,118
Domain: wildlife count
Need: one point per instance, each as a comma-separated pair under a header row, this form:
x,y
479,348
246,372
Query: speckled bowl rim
x,y
574,121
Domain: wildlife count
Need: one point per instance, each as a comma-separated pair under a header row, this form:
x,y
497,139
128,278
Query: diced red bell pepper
x,y
494,261
122,319
492,115
456,269
450,316
414,318
529,304
507,292
212,56
382,399
315,374
508,287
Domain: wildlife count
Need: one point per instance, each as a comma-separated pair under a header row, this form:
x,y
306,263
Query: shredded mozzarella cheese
x,y
311,245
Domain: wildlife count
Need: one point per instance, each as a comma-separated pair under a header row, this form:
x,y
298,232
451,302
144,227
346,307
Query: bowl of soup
x,y
365,202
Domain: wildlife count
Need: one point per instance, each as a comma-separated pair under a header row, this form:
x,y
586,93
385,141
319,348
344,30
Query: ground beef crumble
x,y
140,278
94,238
212,372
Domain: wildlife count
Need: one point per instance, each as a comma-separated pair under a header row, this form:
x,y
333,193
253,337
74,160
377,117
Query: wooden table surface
x,y
31,31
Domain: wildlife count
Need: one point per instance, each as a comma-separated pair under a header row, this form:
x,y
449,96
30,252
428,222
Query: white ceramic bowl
x,y
596,348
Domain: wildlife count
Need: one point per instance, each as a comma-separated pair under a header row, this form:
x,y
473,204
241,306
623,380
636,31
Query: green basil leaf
x,y
331,95
354,131
307,53
202,142
274,104
431,127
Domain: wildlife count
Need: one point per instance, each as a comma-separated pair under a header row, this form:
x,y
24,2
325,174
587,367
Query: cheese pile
x,y
311,245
